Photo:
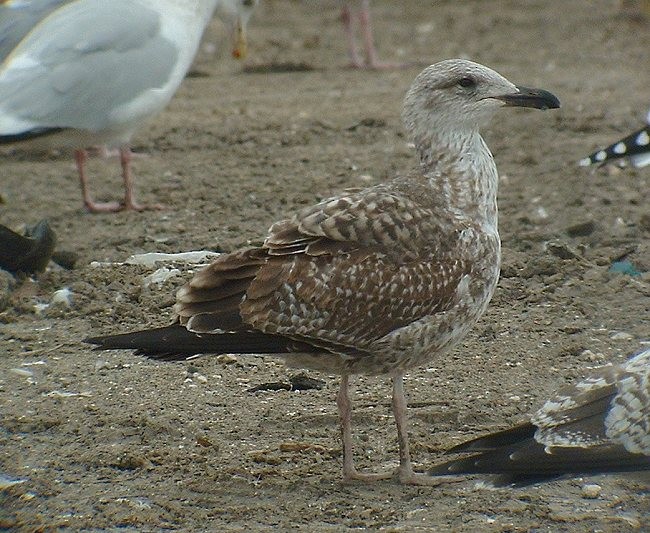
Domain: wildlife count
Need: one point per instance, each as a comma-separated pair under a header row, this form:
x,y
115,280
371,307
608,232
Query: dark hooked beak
x,y
537,98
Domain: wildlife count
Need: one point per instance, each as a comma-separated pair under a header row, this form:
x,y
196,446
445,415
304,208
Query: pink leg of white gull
x,y
371,60
80,157
125,154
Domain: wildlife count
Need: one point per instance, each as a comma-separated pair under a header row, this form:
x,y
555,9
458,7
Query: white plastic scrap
x,y
151,258
160,276
7,481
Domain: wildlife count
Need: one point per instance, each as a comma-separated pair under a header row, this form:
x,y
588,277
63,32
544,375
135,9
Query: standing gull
x,y
89,72
372,281
601,424
362,18
635,147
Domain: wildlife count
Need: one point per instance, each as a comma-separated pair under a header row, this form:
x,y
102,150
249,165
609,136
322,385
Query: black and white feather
x,y
599,425
635,147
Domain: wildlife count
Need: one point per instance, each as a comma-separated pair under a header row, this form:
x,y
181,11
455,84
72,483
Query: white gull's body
x,y
19,17
90,72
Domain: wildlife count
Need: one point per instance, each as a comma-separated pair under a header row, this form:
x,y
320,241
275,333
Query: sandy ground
x,y
111,440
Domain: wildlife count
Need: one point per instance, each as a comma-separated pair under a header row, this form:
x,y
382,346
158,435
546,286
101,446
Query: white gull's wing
x,y
56,77
19,17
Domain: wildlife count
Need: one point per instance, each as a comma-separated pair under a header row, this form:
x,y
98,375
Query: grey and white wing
x,y
17,19
82,67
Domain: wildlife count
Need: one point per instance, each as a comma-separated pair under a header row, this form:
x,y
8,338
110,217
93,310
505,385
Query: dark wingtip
x,y
495,440
28,135
635,144
29,253
99,341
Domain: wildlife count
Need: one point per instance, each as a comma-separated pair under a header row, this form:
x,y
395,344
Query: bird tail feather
x,y
176,343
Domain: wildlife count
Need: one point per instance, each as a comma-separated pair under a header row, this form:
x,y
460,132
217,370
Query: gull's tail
x,y
518,459
28,135
176,343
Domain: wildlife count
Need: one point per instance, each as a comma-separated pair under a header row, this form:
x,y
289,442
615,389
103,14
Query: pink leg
x,y
81,157
371,62
368,39
400,414
129,199
405,471
345,412
346,18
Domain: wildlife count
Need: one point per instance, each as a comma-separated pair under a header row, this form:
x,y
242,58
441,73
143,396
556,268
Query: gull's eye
x,y
466,83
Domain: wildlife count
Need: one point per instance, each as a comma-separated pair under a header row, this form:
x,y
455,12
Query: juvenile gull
x,y
89,72
601,424
372,281
635,147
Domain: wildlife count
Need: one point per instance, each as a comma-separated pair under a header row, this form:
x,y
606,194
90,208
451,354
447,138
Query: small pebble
x,y
591,491
62,296
226,359
540,214
621,336
590,356
581,229
101,365
22,372
204,441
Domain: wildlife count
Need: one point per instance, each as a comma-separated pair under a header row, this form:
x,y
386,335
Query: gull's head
x,y
235,14
460,95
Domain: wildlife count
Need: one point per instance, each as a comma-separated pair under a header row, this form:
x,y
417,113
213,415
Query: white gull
x,y
89,72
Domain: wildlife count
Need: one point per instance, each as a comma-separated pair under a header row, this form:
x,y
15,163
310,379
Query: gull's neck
x,y
461,171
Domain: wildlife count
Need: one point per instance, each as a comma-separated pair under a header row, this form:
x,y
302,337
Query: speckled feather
x,y
354,270
611,406
370,281
600,424
385,278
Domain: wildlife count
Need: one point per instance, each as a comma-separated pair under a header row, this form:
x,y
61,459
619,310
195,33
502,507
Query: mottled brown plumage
x,y
377,280
601,424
